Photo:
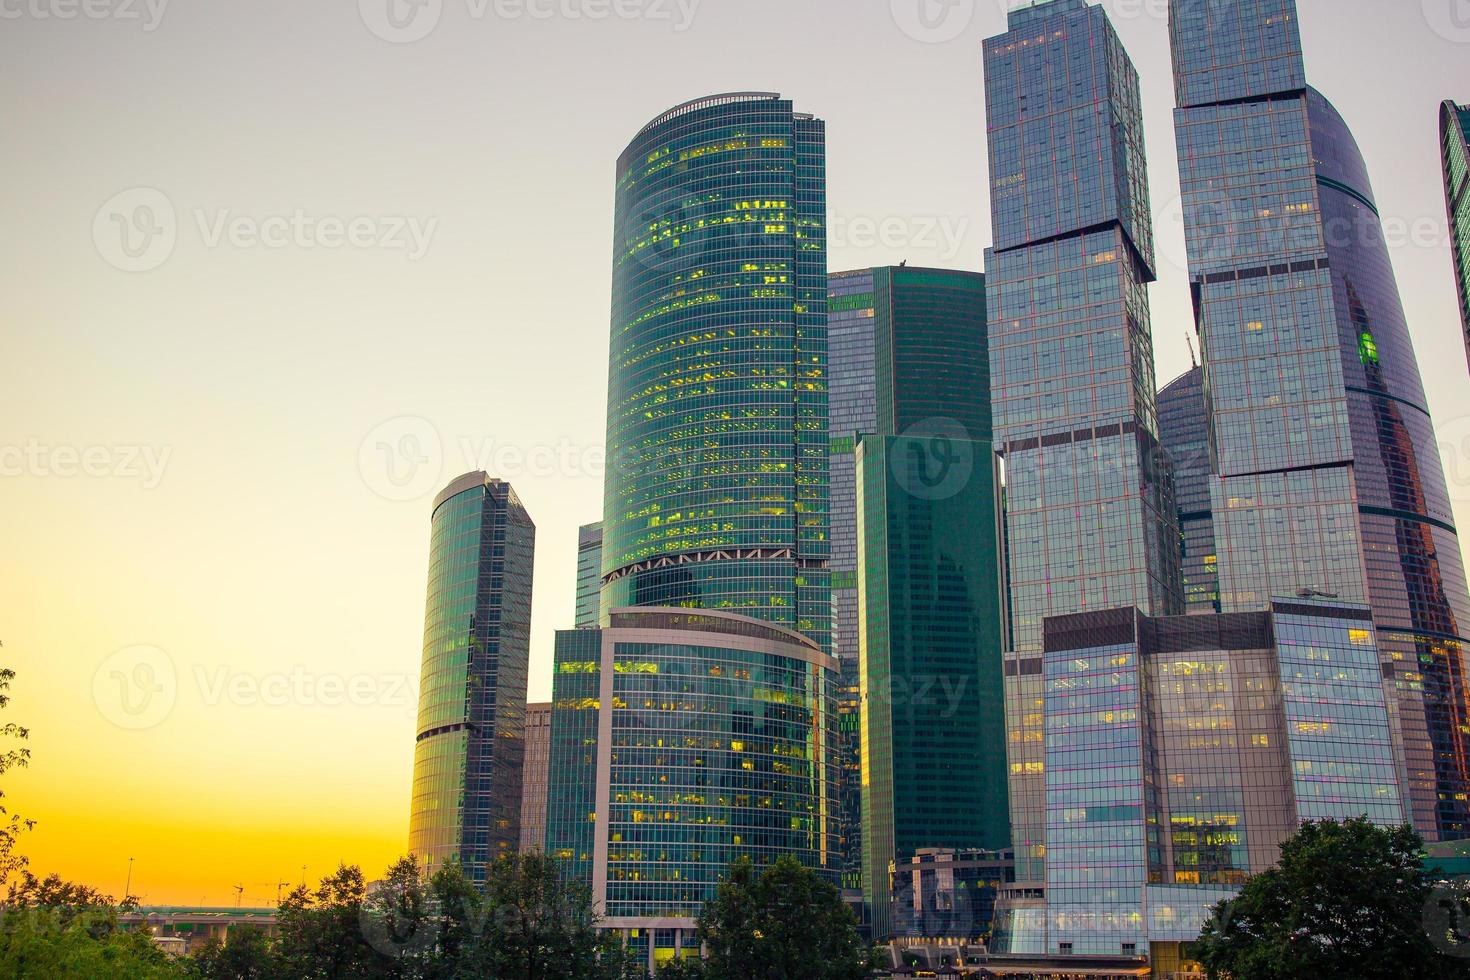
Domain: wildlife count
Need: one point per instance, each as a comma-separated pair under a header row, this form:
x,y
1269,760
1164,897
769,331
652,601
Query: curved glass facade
x,y
1454,128
1327,473
468,757
1184,431
716,492
680,742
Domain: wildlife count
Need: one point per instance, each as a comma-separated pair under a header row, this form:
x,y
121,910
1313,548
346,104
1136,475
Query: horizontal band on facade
x,y
445,730
1068,438
724,554
1261,271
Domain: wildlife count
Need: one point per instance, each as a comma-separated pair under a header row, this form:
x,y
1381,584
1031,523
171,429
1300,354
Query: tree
x,y
57,930
246,955
1346,900
785,924
538,925
320,934
11,825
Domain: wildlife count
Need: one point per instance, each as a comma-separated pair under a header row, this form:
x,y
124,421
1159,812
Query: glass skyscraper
x,y
1327,477
1184,430
468,759
851,325
589,575
1454,128
716,493
1182,751
915,527
1090,520
682,740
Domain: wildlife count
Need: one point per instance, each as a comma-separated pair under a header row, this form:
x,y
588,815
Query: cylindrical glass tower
x,y
716,493
468,756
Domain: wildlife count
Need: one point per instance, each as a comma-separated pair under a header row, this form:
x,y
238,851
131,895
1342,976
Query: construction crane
x,y
239,893
1193,358
278,885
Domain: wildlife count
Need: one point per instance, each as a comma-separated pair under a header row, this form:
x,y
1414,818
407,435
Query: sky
x,y
276,272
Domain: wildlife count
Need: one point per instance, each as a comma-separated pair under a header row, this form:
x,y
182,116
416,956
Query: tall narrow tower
x,y
467,767
716,493
1090,520
1327,478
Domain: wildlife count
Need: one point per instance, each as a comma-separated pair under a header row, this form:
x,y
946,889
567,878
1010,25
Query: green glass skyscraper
x,y
1454,126
927,566
469,755
716,494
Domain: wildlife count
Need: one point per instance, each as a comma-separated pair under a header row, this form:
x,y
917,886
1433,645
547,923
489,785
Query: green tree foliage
x,y
51,929
1346,900
246,955
14,757
785,924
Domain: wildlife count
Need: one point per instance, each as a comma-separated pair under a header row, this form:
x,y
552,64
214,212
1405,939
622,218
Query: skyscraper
x,y
1090,520
1184,430
589,575
1454,128
1327,477
914,519
535,775
682,740
1182,751
469,754
716,491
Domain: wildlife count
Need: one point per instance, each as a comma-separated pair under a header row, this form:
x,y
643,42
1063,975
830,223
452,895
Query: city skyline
x,y
119,602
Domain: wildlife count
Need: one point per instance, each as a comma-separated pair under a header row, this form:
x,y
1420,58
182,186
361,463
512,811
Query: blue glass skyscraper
x,y
1090,520
1327,477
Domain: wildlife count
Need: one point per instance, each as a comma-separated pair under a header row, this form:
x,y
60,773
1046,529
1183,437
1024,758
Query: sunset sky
x,y
385,261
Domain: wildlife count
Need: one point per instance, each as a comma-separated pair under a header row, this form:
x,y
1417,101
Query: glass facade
x,y
1327,477
589,575
533,778
716,493
468,759
928,617
851,346
1182,751
1454,131
1089,514
681,741
1184,431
